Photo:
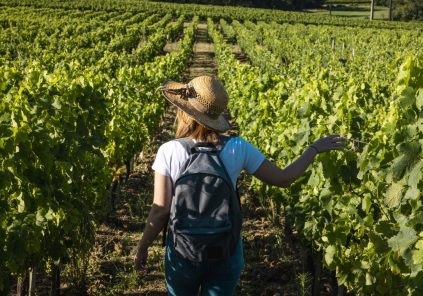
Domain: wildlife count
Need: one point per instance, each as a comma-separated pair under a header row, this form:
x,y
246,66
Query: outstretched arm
x,y
271,174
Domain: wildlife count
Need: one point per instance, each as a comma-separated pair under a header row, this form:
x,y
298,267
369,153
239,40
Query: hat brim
x,y
220,124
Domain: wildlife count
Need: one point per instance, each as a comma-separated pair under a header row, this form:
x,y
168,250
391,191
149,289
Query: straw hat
x,y
203,98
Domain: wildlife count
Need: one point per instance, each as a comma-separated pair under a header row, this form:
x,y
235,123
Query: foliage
x,y
408,10
70,115
52,183
360,208
275,4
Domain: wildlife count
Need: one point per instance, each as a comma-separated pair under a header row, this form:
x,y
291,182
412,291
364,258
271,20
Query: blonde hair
x,y
190,128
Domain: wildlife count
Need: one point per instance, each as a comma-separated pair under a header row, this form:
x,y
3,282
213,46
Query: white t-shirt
x,y
238,154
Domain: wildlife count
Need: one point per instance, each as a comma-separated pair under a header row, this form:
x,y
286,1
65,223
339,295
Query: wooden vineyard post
x,y
390,10
55,280
31,282
128,169
133,162
372,10
22,285
129,165
112,193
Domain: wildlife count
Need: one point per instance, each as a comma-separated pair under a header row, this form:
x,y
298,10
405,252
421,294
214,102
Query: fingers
x,y
331,142
339,142
338,145
337,139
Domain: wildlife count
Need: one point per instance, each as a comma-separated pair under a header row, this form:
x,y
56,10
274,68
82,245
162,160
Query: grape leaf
x,y
416,174
403,240
412,194
418,253
56,104
393,195
419,99
329,253
399,166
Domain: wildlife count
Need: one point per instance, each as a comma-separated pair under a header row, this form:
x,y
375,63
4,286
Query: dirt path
x,y
203,62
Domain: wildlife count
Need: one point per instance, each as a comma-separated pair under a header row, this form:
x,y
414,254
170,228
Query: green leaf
x,y
419,99
380,244
329,253
56,104
370,280
393,195
314,179
21,203
417,254
416,174
39,218
412,194
407,97
403,240
399,166
411,149
366,203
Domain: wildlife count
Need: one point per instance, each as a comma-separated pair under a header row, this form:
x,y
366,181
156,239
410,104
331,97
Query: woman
x,y
200,105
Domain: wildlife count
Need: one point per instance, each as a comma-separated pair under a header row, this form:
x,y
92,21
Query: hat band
x,y
184,93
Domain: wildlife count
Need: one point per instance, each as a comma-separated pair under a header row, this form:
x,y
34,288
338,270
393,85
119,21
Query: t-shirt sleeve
x,y
161,163
253,157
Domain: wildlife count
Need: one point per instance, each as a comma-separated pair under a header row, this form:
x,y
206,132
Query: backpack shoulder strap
x,y
186,143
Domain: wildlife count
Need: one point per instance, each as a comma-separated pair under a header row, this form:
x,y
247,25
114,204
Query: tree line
x,y
405,10
270,4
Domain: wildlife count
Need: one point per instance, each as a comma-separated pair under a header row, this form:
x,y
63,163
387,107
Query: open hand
x,y
328,143
140,260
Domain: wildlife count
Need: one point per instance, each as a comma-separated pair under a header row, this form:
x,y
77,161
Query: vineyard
x,y
79,102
